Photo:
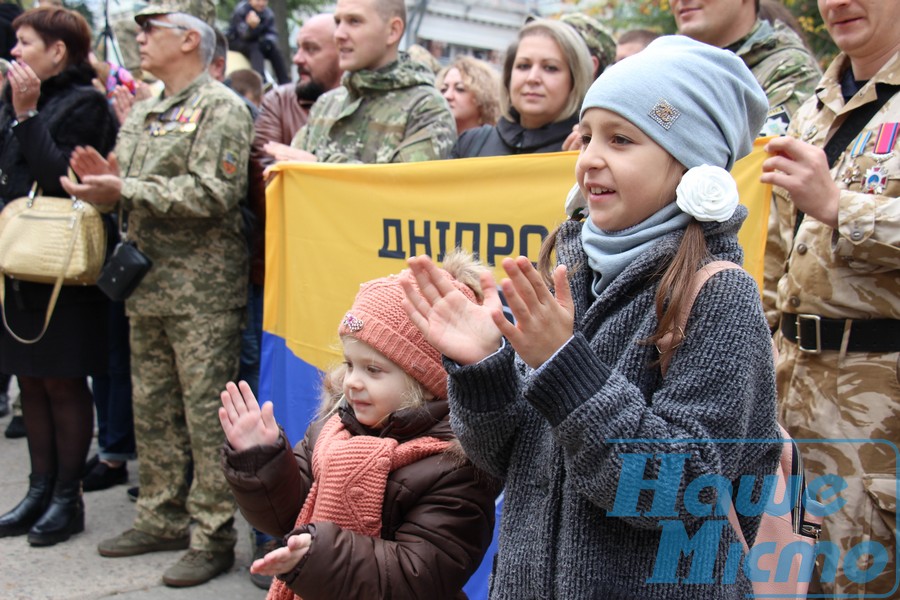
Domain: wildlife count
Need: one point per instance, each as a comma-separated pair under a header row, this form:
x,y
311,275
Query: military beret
x,y
205,10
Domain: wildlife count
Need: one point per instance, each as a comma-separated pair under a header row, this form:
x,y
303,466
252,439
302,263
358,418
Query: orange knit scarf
x,y
350,476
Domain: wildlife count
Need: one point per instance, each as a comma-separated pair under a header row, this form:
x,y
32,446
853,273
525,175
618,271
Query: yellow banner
x,y
331,227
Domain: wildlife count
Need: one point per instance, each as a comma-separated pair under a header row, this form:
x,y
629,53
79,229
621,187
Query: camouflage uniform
x,y
788,73
599,40
393,114
184,170
849,273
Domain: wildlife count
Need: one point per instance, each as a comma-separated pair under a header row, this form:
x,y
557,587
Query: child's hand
x,y
282,560
543,323
244,423
460,329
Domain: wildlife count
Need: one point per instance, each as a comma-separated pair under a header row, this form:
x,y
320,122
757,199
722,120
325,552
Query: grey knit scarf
x,y
609,252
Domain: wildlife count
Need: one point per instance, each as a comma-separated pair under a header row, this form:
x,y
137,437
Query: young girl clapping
x,y
597,447
378,500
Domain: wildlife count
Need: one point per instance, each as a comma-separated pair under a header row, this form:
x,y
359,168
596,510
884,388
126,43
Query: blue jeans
x,y
112,393
251,347
251,338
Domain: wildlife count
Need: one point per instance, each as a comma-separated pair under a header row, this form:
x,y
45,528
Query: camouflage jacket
x,y
788,73
784,68
854,271
393,114
183,161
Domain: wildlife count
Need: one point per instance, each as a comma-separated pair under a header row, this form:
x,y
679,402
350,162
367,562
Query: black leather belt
x,y
814,334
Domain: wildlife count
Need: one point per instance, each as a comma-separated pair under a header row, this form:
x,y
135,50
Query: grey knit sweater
x,y
549,433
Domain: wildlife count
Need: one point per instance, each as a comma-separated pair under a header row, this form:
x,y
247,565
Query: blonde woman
x,y
546,74
472,89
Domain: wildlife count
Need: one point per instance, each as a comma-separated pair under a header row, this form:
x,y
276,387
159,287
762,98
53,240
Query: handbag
x,y
125,268
45,239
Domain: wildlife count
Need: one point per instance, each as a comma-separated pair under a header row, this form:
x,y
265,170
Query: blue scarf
x,y
609,252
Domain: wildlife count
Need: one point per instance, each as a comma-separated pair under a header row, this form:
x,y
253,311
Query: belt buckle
x,y
817,349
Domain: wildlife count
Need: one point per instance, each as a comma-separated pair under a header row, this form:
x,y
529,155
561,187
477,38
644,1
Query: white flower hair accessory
x,y
707,193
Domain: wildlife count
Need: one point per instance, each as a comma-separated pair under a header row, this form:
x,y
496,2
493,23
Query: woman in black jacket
x,y
48,107
546,73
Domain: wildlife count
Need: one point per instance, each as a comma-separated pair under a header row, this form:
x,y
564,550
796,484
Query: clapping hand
x,y
246,424
467,333
544,323
460,329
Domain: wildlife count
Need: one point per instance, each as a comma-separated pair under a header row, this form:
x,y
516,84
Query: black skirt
x,y
75,344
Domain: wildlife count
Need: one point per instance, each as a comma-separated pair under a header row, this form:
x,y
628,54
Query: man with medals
x,y
179,171
839,299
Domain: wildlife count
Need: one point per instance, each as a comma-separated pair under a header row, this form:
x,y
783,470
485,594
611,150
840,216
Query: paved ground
x,y
74,571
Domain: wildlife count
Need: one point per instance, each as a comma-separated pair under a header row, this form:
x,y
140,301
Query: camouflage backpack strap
x,y
670,342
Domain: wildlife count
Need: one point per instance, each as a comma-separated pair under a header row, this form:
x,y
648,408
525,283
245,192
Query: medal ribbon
x,y
860,144
887,136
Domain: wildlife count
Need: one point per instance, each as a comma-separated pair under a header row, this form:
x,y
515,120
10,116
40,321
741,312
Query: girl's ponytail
x,y
676,281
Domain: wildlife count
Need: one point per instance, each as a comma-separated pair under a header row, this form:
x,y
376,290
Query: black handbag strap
x,y
850,128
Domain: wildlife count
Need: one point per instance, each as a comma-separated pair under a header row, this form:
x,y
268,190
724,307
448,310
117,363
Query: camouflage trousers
x,y
179,365
855,396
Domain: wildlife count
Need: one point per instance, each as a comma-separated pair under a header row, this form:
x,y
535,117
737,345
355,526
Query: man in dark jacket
x,y
252,33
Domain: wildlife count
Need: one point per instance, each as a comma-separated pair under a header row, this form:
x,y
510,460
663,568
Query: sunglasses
x,y
148,25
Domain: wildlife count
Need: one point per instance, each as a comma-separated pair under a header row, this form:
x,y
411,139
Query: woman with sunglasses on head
x,y
47,107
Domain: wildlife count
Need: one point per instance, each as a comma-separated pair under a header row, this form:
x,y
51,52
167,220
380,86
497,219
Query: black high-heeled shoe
x,y
27,512
63,518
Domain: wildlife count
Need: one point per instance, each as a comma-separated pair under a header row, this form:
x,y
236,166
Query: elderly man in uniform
x,y
179,172
387,109
784,68
838,372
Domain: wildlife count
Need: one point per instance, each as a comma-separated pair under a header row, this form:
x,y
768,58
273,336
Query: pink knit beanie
x,y
378,319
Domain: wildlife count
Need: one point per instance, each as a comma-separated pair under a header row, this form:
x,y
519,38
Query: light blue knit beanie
x,y
701,103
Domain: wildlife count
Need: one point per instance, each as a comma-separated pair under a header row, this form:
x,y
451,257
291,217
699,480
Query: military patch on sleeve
x,y
229,163
777,122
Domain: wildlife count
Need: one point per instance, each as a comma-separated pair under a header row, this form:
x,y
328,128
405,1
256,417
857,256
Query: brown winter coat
x,y
437,518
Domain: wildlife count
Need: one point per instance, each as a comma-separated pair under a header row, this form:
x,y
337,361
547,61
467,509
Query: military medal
x,y
875,181
851,175
777,122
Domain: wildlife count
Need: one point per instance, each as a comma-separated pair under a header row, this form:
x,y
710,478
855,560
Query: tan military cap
x,y
205,10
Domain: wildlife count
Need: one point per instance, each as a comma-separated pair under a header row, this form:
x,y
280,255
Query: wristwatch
x,y
24,117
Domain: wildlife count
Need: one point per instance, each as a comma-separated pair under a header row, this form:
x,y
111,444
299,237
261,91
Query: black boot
x,y
20,519
64,516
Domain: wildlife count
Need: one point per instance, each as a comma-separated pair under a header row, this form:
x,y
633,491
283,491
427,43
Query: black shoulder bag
x,y
125,268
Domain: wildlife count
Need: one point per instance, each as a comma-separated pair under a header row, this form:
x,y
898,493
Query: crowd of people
x,y
454,387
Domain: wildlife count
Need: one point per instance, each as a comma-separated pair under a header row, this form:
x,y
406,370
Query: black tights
x,y
59,421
